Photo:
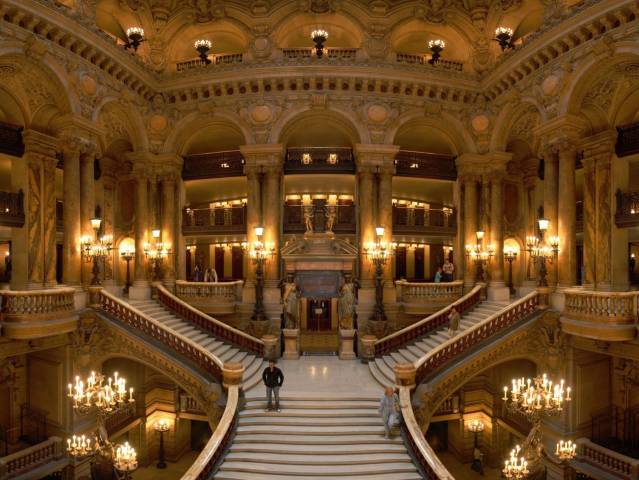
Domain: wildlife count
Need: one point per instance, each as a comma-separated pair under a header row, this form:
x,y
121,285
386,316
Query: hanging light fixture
x,y
203,47
436,47
504,35
135,37
515,468
319,37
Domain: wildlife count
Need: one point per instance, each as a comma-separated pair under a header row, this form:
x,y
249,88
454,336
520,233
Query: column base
x,y
291,343
347,344
498,292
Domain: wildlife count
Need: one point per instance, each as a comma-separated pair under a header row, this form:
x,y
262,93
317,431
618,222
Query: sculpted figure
x,y
291,304
346,305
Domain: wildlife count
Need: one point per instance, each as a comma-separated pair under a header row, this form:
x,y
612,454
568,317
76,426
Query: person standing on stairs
x,y
389,409
453,322
273,379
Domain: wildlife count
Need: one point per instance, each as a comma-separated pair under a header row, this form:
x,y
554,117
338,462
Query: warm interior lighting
x,y
480,235
259,231
155,233
95,223
379,231
543,223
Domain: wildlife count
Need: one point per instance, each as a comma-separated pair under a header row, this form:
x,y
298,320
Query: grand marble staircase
x,y
315,436
253,365
382,367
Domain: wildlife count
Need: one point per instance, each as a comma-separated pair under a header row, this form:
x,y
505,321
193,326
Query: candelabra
x,y
96,250
510,255
566,450
135,36
541,251
259,254
476,426
94,393
79,446
504,35
203,47
161,426
156,252
319,37
379,252
125,460
436,48
480,256
515,468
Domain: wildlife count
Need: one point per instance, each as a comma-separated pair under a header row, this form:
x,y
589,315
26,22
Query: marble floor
x,y
172,471
462,470
314,374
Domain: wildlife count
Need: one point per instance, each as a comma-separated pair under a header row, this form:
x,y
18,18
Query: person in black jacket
x,y
273,379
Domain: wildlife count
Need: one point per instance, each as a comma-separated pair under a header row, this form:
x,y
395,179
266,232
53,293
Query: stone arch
x,y
457,137
184,131
337,119
344,30
120,122
516,120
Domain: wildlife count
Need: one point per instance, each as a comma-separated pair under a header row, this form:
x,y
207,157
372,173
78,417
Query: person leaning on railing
x,y
448,269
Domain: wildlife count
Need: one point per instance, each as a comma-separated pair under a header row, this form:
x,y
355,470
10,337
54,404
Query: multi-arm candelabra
x,y
96,250
156,252
379,252
480,256
542,251
259,253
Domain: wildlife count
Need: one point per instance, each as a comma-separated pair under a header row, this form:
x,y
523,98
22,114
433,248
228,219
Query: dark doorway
x,y
219,262
58,262
237,263
319,315
400,263
419,263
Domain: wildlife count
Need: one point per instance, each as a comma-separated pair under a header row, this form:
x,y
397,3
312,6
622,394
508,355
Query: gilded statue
x,y
346,305
291,302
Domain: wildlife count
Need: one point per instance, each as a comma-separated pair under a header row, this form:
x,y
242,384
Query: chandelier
x,y
156,252
566,450
479,255
537,396
541,251
515,468
503,36
125,460
203,46
96,249
436,47
319,37
135,36
96,393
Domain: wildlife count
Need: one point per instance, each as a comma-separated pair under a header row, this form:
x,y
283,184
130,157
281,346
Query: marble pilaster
x,y
71,267
590,213
141,223
551,180
365,196
87,201
253,210
566,221
470,224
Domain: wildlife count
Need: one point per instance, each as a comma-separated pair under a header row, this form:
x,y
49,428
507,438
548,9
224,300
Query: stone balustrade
x,y
608,316
25,460
26,314
217,298
613,463
422,298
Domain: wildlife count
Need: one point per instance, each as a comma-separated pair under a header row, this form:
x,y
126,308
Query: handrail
x,y
489,326
428,324
29,458
209,324
608,460
422,451
204,464
16,304
608,307
204,289
177,342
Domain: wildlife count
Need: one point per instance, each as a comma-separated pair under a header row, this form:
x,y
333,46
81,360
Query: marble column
x,y
365,203
497,229
71,255
169,234
180,247
272,221
253,211
530,199
603,245
87,201
566,221
470,225
385,210
589,235
550,204
458,245
141,227
33,245
107,202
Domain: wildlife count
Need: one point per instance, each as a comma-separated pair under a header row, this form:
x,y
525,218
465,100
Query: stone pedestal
x,y
259,328
94,296
347,344
368,347
498,293
557,299
544,296
405,375
232,374
271,352
79,299
291,343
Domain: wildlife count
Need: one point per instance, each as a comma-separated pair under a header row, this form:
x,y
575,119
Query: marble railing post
x,y
551,180
34,253
566,222
71,268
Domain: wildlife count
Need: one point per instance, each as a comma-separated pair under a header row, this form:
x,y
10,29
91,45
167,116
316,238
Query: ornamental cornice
x,y
378,156
475,165
39,143
560,131
600,145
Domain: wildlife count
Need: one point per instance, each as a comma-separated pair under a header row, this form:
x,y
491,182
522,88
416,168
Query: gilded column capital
x,y
36,143
600,145
566,127
262,155
168,165
475,167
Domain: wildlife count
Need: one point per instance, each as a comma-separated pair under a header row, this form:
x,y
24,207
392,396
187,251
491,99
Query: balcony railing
x,y
37,313
423,60
627,139
612,463
30,458
12,209
294,219
214,221
329,54
213,165
608,316
216,298
425,165
627,214
423,221
224,59
319,160
422,298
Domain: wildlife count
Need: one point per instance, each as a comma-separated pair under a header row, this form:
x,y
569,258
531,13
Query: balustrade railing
x,y
228,163
627,214
209,324
217,220
423,60
627,139
329,54
416,297
11,139
425,221
224,59
319,160
188,404
178,343
609,316
613,463
409,163
427,325
211,297
25,460
463,343
12,209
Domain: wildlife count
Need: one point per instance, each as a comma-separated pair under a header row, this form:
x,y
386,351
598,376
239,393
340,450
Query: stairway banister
x,y
204,464
201,319
432,322
195,352
31,457
472,336
422,451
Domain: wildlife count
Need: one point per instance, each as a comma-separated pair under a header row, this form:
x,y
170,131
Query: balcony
x,y
425,165
423,60
214,221
330,54
627,214
419,220
319,160
426,298
607,316
345,222
222,59
213,165
12,209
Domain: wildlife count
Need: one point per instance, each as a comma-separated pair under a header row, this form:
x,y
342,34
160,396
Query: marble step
x,y
378,375
312,430
324,450
312,413
319,470
318,440
314,404
230,475
318,397
311,422
383,367
277,459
